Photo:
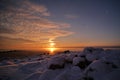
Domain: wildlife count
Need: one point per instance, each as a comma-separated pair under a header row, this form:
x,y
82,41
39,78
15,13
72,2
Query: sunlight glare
x,y
52,50
52,44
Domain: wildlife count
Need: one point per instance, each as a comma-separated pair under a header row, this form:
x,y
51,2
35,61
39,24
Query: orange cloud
x,y
28,22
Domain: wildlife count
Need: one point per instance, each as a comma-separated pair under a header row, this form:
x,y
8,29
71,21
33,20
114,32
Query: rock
x,y
77,60
91,57
97,69
92,50
66,52
69,58
56,63
114,75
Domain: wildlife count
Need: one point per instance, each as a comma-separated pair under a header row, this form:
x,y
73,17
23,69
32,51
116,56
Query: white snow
x,y
56,62
70,57
104,65
91,57
114,75
76,60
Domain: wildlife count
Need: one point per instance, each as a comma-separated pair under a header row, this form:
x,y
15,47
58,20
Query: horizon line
x,y
71,47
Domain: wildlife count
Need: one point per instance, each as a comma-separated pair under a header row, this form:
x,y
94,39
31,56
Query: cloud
x,y
6,30
24,7
3,38
25,20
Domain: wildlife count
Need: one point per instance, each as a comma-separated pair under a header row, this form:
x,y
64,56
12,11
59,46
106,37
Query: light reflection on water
x,y
74,49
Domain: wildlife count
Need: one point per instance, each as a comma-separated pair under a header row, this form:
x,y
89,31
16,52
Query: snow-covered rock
x,y
97,69
34,76
70,57
76,60
82,62
92,50
72,74
56,62
112,56
114,75
50,74
91,64
88,50
91,57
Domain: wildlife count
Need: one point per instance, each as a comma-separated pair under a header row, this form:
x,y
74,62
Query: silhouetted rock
x,y
67,51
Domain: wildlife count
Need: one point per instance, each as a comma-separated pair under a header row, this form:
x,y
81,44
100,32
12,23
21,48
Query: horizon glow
x,y
37,24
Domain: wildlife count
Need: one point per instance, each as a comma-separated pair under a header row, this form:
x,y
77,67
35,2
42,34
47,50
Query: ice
x,y
91,57
114,75
70,57
91,64
97,69
50,74
56,62
30,67
93,50
76,60
34,76
72,74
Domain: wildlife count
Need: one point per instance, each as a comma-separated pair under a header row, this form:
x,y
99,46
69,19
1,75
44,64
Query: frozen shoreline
x,y
90,64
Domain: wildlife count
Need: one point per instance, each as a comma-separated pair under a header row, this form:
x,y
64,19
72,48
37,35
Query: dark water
x,y
81,49
22,54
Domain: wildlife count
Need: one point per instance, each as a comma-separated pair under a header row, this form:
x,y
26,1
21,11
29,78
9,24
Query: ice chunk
x,y
114,75
56,62
76,60
97,69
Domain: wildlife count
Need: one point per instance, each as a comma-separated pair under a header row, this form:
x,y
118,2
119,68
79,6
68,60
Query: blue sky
x,y
71,23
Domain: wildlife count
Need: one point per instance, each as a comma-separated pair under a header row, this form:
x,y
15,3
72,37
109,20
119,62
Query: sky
x,y
36,24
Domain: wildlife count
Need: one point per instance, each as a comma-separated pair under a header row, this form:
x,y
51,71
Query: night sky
x,y
35,24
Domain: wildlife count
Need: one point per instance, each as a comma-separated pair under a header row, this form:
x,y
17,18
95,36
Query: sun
x,y
51,47
52,50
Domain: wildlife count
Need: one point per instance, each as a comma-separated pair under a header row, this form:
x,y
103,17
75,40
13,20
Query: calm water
x,y
81,49
61,50
77,49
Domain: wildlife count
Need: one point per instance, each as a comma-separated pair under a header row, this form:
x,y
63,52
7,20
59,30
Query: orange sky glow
x,y
36,25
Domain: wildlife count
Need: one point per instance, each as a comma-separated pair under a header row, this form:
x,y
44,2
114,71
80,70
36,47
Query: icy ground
x,y
90,64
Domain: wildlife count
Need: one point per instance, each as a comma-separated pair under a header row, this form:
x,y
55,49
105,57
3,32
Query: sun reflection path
x,y
52,51
52,47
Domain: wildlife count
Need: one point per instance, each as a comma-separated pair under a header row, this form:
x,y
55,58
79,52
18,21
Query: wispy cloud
x,y
6,30
25,20
4,39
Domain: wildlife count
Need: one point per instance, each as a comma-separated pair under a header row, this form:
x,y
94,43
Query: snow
x,y
5,62
30,67
70,57
98,64
72,74
92,50
97,69
91,57
76,60
34,76
114,75
56,62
